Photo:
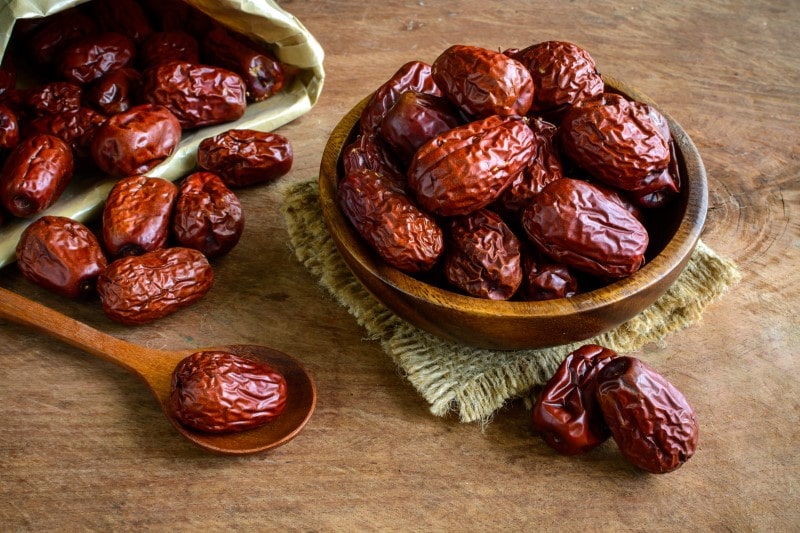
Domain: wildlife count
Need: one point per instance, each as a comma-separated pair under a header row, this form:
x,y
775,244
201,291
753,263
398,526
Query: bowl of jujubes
x,y
512,200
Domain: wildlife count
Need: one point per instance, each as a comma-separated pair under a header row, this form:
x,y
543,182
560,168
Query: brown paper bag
x,y
259,19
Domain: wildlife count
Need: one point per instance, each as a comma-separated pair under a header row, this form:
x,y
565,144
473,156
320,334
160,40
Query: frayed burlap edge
x,y
472,382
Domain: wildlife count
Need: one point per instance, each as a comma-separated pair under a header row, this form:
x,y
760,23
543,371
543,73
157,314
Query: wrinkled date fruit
x,y
544,280
208,216
58,30
650,420
198,95
415,119
615,140
53,97
401,233
263,75
483,82
244,157
577,224
164,46
139,289
137,215
563,74
566,413
413,76
35,174
88,58
76,127
543,168
136,140
220,392
366,152
61,255
115,92
122,16
466,168
483,256
9,129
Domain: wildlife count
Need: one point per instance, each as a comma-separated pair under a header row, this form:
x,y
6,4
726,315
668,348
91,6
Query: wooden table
x,y
84,446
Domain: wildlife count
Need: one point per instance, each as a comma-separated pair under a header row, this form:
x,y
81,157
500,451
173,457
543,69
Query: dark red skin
x,y
208,216
219,392
262,74
402,234
139,289
578,225
616,141
137,215
368,152
165,46
75,127
9,129
136,140
53,97
88,58
116,92
651,421
122,16
483,82
198,95
566,413
483,256
545,280
57,31
468,167
61,255
414,119
412,76
35,174
243,157
563,74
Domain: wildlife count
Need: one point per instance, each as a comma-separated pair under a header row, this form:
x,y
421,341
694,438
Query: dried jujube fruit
x,y
388,220
243,157
651,421
566,413
221,392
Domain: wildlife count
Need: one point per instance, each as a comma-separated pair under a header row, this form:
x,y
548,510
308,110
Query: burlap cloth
x,y
470,382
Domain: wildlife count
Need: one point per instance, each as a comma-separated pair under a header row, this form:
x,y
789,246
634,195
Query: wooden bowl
x,y
512,325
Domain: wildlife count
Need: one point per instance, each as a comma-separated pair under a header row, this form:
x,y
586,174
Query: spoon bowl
x,y
155,368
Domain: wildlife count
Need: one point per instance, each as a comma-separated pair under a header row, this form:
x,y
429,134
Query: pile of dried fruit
x,y
124,81
508,174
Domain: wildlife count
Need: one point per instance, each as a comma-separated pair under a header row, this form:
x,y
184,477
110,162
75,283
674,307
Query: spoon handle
x,y
23,311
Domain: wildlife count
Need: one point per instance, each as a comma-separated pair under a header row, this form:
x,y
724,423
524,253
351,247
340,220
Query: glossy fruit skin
x,y
35,174
468,167
243,157
137,215
615,140
368,152
207,216
483,82
220,392
61,255
563,74
56,32
402,234
53,97
136,141
9,129
164,46
483,256
651,421
198,95
412,76
262,74
139,289
89,57
578,225
566,413
115,92
414,119
76,127
546,280
543,168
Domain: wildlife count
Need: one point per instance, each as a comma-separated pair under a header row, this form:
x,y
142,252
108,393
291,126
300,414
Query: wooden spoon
x,y
155,368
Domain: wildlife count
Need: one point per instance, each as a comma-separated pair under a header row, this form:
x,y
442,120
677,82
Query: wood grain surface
x,y
84,446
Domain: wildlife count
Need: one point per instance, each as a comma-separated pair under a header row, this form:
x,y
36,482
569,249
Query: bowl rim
x,y
674,254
